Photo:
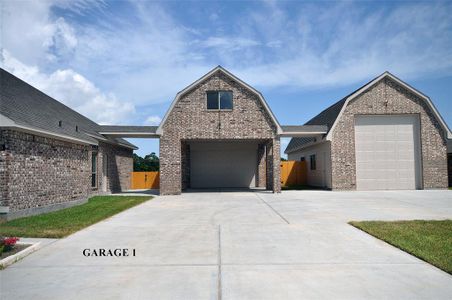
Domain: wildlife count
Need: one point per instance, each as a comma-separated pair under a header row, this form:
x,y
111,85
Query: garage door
x,y
223,165
387,152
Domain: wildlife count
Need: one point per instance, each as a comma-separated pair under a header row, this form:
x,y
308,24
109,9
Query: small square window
x,y
212,100
219,100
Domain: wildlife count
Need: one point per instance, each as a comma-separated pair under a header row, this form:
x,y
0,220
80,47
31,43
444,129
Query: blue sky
x,y
122,62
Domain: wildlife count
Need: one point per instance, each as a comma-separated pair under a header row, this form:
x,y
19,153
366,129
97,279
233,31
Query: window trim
x,y
218,92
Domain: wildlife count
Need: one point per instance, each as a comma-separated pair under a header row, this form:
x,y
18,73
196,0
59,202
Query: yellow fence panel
x,y
145,180
293,173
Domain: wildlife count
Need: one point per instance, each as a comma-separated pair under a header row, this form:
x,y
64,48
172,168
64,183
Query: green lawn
x,y
67,221
430,241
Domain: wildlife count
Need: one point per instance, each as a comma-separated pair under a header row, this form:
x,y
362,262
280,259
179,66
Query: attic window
x,y
76,128
219,100
60,123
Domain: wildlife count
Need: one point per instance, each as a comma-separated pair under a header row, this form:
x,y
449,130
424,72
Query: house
x,y
51,156
385,135
219,132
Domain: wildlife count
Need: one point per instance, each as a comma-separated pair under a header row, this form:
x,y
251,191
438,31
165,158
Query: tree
x,y
147,164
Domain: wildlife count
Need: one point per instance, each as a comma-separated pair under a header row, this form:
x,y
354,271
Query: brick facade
x,y
39,172
119,167
190,120
388,97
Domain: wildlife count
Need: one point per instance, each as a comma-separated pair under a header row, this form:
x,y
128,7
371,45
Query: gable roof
x,y
233,77
25,107
332,114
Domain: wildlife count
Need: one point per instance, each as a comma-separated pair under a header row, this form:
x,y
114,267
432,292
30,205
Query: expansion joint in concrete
x,y
219,293
271,207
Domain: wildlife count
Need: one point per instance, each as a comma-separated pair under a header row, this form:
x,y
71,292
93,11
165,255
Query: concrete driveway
x,y
245,245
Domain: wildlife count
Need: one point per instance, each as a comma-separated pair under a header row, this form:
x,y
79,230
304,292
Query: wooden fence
x,y
293,173
145,180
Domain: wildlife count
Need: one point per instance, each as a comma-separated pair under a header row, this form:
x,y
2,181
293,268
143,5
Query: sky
x,y
122,62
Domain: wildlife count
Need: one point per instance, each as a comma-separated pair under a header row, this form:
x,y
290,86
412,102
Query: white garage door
x,y
387,152
223,164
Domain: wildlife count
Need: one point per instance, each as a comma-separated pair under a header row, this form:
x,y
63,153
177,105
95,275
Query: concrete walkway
x,y
245,245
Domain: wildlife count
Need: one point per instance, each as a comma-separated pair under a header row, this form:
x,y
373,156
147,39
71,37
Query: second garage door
x,y
223,164
387,152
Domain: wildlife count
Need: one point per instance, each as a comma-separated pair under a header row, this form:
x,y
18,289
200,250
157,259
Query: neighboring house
x,y
50,155
385,135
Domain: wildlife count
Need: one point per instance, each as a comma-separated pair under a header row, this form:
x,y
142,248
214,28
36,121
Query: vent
x,y
60,123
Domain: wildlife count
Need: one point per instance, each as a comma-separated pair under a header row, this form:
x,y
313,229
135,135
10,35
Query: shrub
x,y
7,243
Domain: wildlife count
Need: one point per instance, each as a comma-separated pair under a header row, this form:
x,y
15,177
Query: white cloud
x,y
153,120
342,44
74,90
32,35
229,43
148,56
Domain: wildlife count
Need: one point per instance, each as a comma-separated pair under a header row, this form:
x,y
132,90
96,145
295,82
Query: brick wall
x,y
43,171
119,168
190,120
38,172
388,97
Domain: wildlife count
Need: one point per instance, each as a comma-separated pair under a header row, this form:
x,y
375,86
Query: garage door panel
x,y
223,164
386,152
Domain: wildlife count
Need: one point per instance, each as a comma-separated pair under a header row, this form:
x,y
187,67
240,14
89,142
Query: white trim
x,y
213,71
4,209
405,85
124,134
301,134
46,133
107,141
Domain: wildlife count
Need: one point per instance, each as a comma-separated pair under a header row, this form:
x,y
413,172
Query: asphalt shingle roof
x,y
327,117
29,107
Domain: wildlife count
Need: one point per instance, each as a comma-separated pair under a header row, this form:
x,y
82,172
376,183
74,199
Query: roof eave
x,y
301,133
307,145
130,134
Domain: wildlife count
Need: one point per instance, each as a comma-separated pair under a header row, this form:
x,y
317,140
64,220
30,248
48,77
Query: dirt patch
x,y
17,248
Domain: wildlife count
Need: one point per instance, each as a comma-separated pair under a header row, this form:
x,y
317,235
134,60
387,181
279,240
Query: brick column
x,y
185,165
276,166
261,166
170,167
273,166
